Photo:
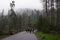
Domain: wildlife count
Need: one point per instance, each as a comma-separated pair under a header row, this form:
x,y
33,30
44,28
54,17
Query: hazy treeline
x,y
19,20
49,22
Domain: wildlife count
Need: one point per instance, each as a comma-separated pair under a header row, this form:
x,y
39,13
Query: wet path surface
x,y
22,36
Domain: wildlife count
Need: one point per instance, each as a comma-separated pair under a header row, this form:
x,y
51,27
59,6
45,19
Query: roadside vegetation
x,y
46,36
3,35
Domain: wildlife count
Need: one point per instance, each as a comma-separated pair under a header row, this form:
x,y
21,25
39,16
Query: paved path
x,y
22,36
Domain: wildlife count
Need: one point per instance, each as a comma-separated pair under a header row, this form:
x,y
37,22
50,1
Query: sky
x,y
31,4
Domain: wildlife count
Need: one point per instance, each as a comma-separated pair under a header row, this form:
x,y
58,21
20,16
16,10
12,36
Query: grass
x,y
3,35
48,36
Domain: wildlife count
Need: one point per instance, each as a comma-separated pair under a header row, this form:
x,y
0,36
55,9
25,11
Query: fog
x,y
31,4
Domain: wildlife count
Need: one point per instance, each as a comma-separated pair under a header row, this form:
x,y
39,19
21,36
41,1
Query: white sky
x,y
32,4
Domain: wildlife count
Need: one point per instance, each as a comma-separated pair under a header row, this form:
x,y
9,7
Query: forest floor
x,y
45,36
3,36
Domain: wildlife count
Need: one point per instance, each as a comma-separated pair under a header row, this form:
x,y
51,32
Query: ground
x,y
47,36
22,36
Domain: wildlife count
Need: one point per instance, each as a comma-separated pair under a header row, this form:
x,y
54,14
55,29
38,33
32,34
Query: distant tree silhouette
x,y
12,18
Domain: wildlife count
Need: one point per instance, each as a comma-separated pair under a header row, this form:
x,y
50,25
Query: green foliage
x,y
42,24
47,36
46,26
12,19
